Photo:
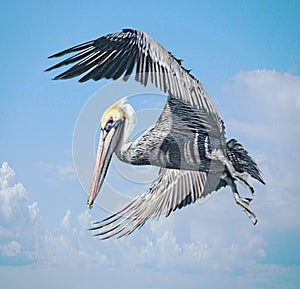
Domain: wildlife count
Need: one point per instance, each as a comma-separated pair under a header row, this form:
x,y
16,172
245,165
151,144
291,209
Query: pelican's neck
x,y
129,125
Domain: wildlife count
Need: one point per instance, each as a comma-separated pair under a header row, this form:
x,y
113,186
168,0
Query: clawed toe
x,y
243,180
244,203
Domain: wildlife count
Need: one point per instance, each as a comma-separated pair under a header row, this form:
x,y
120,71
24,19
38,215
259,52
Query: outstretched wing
x,y
172,190
116,55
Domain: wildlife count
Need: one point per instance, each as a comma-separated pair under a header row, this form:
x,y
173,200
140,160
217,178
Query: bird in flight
x,y
187,141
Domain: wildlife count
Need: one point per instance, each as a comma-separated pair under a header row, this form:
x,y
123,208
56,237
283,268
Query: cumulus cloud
x,y
12,197
18,218
11,248
22,234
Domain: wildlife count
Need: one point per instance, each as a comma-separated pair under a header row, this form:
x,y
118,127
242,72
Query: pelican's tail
x,y
239,164
242,161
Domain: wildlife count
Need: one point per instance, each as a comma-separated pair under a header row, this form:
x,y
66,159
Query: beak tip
x,y
89,204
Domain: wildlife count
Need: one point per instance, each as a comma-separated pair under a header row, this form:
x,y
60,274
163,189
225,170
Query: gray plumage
x,y
182,138
187,141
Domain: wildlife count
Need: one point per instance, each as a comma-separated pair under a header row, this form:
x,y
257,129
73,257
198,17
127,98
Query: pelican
x,y
187,141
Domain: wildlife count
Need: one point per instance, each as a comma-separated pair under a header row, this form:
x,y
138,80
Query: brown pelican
x,y
187,141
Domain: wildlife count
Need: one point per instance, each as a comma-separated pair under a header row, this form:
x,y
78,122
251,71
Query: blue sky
x,y
246,53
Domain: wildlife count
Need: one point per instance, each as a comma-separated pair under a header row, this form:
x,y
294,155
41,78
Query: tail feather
x,y
242,161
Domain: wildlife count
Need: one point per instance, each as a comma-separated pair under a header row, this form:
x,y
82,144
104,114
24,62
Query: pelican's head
x,y
117,124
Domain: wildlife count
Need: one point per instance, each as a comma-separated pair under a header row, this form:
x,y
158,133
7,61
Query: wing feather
x,y
117,54
172,190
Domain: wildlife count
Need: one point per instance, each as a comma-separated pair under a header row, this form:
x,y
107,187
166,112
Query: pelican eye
x,y
109,125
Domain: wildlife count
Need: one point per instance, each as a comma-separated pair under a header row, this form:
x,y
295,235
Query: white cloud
x,y
12,197
11,248
271,101
18,218
14,204
65,223
33,211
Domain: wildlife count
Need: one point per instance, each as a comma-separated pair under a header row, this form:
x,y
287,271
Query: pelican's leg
x,y
243,202
241,178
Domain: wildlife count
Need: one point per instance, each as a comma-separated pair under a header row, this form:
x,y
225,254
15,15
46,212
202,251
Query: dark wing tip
x,y
128,30
59,77
82,80
52,56
50,68
59,54
262,181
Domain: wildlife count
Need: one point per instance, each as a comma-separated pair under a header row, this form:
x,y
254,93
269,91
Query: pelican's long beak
x,y
107,144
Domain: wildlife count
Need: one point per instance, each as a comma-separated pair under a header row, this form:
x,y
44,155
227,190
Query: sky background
x,y
246,54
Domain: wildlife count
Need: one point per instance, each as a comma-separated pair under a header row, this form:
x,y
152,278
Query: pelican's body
x,y
187,141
